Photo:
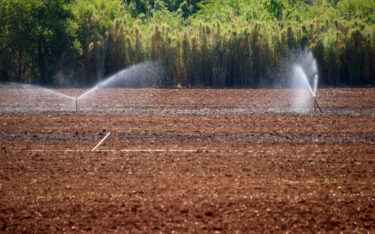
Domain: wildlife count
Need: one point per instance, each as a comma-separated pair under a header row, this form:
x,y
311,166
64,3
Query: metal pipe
x,y
100,142
317,105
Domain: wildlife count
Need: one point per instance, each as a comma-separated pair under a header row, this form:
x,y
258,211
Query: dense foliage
x,y
201,43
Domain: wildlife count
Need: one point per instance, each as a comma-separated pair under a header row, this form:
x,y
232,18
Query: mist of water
x,y
303,81
315,85
37,89
27,97
146,74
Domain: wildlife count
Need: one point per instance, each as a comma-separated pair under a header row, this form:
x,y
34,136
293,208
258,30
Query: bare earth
x,y
189,161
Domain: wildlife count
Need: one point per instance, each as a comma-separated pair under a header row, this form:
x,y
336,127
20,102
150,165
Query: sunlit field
x,y
204,160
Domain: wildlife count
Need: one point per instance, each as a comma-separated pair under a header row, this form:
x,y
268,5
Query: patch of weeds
x,y
311,181
357,163
326,181
24,229
312,162
113,196
323,159
1,187
334,181
177,159
40,197
136,129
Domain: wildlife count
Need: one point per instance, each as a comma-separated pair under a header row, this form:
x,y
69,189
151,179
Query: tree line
x,y
201,43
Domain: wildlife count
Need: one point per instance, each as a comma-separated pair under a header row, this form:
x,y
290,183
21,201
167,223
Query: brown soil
x,y
250,172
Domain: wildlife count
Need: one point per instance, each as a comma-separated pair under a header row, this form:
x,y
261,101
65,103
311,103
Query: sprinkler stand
x,y
317,105
76,104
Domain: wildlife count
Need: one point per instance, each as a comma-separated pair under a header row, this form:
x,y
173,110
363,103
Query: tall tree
x,y
35,36
50,36
99,25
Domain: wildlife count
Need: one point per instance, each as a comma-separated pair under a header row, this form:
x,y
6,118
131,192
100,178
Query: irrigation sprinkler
x,y
317,105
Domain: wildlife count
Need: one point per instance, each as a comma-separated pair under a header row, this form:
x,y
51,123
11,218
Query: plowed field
x,y
187,161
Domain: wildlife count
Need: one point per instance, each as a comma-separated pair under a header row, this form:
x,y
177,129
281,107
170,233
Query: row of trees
x,y
205,43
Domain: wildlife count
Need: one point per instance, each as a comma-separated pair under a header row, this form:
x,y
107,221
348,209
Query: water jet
x,y
28,97
300,75
304,82
141,75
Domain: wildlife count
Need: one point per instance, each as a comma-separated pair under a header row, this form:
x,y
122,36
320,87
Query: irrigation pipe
x,y
100,142
136,150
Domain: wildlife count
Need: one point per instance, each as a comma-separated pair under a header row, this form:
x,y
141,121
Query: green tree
x,y
358,9
15,34
101,27
275,8
35,38
50,36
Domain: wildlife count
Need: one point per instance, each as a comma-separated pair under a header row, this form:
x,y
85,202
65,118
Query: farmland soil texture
x,y
187,161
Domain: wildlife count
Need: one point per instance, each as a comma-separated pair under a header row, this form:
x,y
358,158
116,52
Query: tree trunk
x,y
42,65
19,65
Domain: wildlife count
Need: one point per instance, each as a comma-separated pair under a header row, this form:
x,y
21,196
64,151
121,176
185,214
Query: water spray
x,y
145,74
302,80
